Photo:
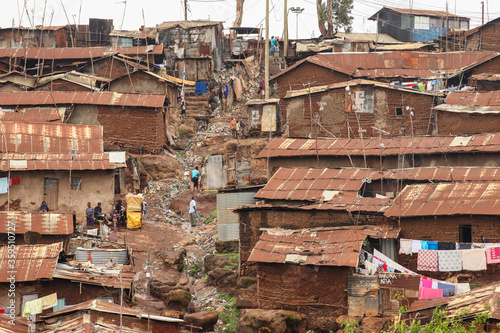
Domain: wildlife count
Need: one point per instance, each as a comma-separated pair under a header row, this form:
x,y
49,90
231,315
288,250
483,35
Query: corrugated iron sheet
x,y
283,147
399,281
490,98
486,77
41,161
22,98
32,262
102,279
471,198
64,53
468,109
33,115
421,12
43,223
50,138
321,247
353,204
20,324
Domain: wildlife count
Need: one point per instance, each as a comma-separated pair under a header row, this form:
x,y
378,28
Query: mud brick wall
x,y
252,221
132,129
492,66
338,118
449,123
485,39
311,290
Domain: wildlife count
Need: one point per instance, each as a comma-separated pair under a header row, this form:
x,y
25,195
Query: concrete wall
x,y
312,290
96,186
337,116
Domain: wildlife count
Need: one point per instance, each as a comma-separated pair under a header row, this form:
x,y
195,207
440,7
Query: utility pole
x,y
482,12
285,33
297,11
447,27
266,67
185,10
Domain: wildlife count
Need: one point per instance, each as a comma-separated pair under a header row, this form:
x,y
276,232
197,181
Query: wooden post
x,y
266,69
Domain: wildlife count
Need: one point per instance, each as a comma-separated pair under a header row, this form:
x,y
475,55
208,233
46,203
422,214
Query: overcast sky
x,y
157,11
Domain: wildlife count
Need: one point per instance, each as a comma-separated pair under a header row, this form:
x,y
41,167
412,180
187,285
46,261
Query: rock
x,y
204,319
219,274
179,296
247,299
275,321
213,261
187,131
161,166
162,286
183,280
149,302
227,246
322,324
375,324
345,318
246,281
175,259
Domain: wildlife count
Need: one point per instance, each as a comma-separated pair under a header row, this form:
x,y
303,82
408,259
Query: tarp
x,y
134,202
134,220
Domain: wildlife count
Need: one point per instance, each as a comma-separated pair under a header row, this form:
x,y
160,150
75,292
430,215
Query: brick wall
x,y
486,39
449,123
491,66
133,129
311,290
338,119
252,221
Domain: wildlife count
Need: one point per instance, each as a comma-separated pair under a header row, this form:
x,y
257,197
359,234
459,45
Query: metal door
x,y
51,192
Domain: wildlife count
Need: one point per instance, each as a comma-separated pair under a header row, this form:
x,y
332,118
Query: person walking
x,y
192,212
195,175
90,214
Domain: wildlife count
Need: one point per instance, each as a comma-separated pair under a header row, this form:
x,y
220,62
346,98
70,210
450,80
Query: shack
x,y
263,115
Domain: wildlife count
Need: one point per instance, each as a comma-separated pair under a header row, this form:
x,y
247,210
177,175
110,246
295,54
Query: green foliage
x,y
342,19
475,285
230,267
196,269
233,256
210,217
230,315
440,323
351,327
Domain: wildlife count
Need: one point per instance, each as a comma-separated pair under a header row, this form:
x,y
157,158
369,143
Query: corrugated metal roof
x,y
353,204
373,146
20,324
103,278
33,262
373,36
143,33
405,47
185,24
81,97
398,63
468,109
56,138
486,77
490,98
71,53
33,115
469,198
107,307
43,223
321,247
419,12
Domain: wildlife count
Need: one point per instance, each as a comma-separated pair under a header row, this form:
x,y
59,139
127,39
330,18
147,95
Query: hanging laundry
x,y
380,256
372,268
49,301
425,282
465,246
478,245
427,260
474,260
493,255
200,88
4,185
432,245
15,181
448,289
446,246
33,307
226,90
415,245
461,288
428,293
405,246
450,260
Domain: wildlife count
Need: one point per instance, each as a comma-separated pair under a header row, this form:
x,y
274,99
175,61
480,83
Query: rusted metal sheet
x,y
490,98
43,223
282,147
102,278
399,281
353,204
33,115
51,161
20,324
70,53
363,295
471,198
321,247
58,138
15,98
391,64
32,262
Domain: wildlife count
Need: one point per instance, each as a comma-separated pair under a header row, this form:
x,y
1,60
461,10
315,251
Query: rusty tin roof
x,y
321,247
33,115
489,98
373,146
12,98
43,223
419,12
406,64
56,138
103,278
469,198
353,204
71,53
33,262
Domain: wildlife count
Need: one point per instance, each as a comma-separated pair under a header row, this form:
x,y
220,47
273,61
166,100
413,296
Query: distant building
x,y
484,37
416,25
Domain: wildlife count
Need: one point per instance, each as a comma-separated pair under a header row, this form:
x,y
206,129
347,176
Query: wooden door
x,y
51,192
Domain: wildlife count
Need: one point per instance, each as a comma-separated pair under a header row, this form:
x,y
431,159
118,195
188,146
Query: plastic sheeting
x,y
134,220
134,202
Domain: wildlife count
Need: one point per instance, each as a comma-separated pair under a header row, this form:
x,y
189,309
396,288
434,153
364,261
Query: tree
x,y
239,13
333,16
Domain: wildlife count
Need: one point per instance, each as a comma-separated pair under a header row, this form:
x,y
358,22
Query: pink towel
x,y
493,255
428,293
426,283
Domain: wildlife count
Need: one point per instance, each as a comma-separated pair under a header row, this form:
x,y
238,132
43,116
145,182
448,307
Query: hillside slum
x,y
368,182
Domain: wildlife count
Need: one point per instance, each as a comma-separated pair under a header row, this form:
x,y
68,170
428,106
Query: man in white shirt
x,y
192,212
